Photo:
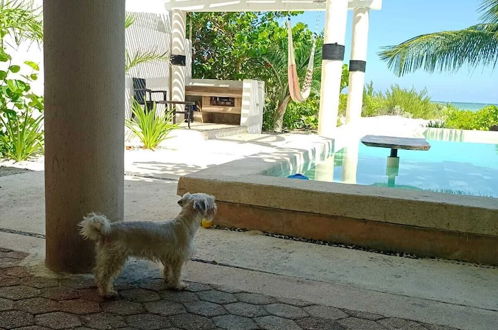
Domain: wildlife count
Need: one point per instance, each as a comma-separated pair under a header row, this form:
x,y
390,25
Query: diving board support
x,y
394,143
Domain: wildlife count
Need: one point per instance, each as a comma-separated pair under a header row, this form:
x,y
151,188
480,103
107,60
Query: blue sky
x,y
400,20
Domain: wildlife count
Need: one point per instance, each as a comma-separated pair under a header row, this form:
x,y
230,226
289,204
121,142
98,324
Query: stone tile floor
x,y
31,302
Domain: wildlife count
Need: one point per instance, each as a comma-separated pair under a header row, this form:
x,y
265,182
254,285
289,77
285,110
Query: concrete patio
x,y
362,290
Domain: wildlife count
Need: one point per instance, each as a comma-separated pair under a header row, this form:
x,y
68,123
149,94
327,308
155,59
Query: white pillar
x,y
350,163
84,45
324,170
357,64
178,56
332,60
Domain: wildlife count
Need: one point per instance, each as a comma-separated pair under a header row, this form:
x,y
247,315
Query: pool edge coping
x,y
241,181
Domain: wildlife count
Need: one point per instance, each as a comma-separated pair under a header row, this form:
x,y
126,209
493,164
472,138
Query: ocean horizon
x,y
472,106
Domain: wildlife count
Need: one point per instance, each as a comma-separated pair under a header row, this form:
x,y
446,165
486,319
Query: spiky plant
x,y
150,127
449,50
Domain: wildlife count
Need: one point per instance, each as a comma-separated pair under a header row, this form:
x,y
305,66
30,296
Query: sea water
x,y
466,105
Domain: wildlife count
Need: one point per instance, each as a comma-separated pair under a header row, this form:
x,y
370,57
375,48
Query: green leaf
x,y
33,65
14,68
3,74
4,57
12,85
33,76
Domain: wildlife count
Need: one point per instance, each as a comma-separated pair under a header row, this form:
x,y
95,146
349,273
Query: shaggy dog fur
x,y
169,242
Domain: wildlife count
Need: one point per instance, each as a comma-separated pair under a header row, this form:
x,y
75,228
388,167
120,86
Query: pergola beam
x,y
262,5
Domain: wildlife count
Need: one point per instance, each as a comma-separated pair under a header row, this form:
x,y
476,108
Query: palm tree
x,y
449,50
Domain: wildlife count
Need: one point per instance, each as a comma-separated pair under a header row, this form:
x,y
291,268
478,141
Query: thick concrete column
x,y
178,56
357,64
84,123
332,60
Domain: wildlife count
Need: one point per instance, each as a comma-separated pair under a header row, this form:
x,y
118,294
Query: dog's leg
x,y
108,265
167,272
176,271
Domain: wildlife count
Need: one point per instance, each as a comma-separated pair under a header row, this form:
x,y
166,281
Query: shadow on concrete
x,y
163,170
8,170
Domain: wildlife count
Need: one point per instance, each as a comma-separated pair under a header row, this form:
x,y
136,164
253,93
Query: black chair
x,y
143,96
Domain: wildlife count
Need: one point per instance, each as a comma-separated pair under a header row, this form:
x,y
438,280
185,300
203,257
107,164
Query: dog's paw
x,y
178,286
112,294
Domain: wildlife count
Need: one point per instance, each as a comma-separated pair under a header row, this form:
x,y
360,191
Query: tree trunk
x,y
279,114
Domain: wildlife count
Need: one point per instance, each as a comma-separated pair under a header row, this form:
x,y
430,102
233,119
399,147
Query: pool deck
x,y
432,291
425,223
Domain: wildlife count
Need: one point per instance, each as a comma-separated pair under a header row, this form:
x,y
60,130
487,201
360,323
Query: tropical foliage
x,y
482,119
19,21
302,115
275,62
21,110
399,102
237,46
22,136
140,56
150,127
305,115
449,50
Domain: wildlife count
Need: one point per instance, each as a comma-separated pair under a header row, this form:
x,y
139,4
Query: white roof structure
x,y
261,5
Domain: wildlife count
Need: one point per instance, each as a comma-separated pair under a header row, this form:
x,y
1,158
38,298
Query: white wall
x,y
149,32
253,99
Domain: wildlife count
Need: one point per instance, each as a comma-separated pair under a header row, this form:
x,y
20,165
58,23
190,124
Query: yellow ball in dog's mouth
x,y
205,223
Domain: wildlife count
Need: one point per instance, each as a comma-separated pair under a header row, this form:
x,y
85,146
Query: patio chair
x,y
143,96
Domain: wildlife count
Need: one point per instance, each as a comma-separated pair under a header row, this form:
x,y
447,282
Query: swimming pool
x,y
449,167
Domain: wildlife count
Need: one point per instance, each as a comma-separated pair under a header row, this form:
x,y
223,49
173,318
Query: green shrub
x,y
268,115
399,101
482,119
21,134
302,115
343,104
150,127
436,124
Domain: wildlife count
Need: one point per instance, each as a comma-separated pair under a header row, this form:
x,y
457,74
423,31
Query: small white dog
x,y
169,242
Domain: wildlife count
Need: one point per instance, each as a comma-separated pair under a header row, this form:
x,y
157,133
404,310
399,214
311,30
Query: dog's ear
x,y
184,198
200,205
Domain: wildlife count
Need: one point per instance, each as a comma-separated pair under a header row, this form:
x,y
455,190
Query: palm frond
x,y
129,20
445,51
489,10
143,56
20,20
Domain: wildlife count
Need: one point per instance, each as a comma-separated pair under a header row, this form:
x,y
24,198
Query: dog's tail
x,y
94,226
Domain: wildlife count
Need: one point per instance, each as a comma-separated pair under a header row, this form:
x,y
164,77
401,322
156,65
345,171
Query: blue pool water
x,y
449,167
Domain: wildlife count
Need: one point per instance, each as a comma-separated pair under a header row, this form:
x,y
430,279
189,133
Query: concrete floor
x,y
434,291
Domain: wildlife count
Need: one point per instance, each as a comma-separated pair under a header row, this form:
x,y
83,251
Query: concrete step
x,y
223,132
